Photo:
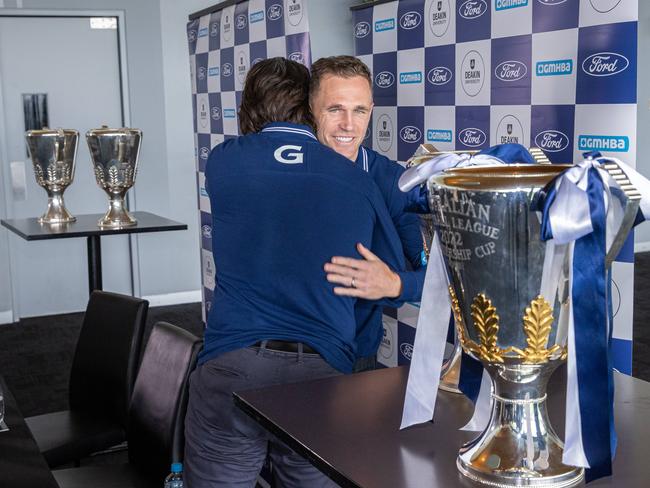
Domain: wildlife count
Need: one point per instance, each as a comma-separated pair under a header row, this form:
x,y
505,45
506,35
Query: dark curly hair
x,y
276,90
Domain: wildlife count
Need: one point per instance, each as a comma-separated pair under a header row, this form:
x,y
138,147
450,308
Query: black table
x,y
21,462
86,226
348,427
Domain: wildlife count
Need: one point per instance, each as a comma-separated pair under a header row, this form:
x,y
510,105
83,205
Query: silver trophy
x,y
114,153
53,153
450,372
490,239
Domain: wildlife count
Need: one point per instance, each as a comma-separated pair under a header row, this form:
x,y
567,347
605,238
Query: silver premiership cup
x,y
114,153
53,153
490,238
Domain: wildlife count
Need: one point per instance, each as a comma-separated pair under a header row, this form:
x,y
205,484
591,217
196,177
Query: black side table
x,y
86,226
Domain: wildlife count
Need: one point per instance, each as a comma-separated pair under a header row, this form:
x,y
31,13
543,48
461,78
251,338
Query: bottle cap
x,y
177,467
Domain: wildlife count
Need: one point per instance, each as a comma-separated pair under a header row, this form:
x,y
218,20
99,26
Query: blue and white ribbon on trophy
x,y
435,305
582,210
581,214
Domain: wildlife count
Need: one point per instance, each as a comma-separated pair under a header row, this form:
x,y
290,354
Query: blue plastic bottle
x,y
175,478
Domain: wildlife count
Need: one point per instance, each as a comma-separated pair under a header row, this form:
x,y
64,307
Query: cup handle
x,y
632,203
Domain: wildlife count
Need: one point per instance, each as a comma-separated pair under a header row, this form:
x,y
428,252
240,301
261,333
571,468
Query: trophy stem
x,y
56,213
450,375
117,215
519,446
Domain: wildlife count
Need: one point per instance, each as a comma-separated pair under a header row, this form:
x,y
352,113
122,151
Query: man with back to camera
x,y
280,208
340,96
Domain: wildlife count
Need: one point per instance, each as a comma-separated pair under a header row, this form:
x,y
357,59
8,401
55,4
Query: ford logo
x,y
472,9
410,134
510,70
240,22
410,20
605,64
226,69
472,137
215,113
297,56
440,75
362,29
274,12
406,349
551,2
201,72
204,153
206,230
384,79
552,140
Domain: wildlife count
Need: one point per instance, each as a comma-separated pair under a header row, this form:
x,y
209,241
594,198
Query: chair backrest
x,y
159,401
106,357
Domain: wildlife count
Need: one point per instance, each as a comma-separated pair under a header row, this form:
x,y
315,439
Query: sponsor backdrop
x,y
467,74
223,45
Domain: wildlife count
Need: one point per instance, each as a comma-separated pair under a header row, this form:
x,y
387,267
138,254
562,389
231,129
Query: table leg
x,y
94,263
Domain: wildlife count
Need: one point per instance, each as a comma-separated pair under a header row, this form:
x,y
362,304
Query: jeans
x,y
224,447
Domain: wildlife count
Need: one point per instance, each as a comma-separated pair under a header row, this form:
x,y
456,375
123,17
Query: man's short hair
x,y
276,90
343,66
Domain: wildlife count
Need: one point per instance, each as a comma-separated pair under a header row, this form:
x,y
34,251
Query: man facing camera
x,y
341,102
282,205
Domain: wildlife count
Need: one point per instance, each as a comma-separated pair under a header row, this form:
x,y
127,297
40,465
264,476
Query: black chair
x,y
156,417
101,381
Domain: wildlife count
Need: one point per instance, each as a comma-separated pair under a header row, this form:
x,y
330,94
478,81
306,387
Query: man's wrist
x,y
397,286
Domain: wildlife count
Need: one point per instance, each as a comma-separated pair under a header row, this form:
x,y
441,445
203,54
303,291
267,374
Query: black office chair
x,y
156,417
101,381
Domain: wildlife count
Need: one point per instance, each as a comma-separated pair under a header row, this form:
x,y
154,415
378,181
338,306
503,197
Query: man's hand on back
x,y
368,278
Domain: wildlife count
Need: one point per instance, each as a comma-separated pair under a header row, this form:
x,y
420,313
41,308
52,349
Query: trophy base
x,y
56,212
450,376
112,223
561,481
519,446
116,218
56,220
117,215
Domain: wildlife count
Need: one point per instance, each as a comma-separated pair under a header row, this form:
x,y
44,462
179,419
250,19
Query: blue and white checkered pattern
x,y
467,74
223,45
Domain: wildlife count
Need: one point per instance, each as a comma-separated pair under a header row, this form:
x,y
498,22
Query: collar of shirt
x,y
362,158
289,128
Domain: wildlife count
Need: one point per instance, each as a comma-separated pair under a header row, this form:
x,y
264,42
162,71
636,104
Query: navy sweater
x,y
282,206
386,174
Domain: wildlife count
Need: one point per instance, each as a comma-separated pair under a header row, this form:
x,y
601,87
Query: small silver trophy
x,y
505,316
114,153
53,153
